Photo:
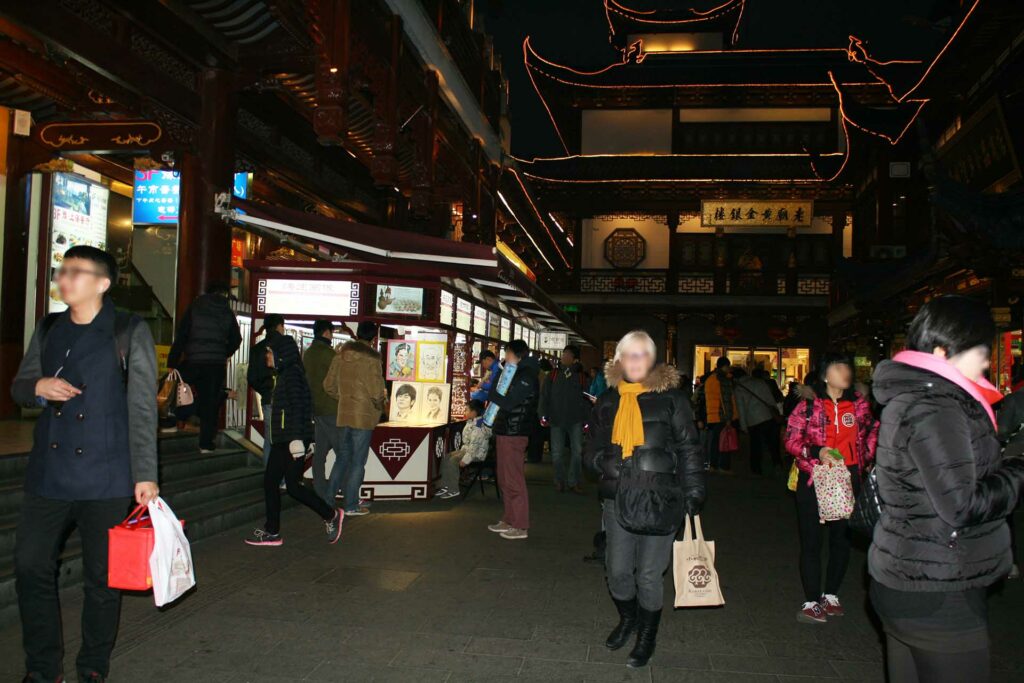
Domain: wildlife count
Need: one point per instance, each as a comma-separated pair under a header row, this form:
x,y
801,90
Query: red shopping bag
x,y
130,545
728,440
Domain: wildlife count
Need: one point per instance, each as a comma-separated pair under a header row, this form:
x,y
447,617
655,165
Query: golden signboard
x,y
756,213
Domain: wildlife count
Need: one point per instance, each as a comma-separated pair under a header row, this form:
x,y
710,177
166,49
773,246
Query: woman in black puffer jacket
x,y
946,492
646,449
292,431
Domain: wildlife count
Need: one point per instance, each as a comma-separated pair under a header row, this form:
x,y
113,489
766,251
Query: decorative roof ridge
x,y
615,11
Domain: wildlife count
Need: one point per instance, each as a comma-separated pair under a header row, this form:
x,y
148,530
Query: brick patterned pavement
x,y
423,592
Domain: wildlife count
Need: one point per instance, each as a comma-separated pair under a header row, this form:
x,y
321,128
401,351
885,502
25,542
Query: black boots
x,y
647,634
627,624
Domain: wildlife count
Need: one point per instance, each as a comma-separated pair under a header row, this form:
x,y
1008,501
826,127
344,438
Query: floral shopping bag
x,y
835,492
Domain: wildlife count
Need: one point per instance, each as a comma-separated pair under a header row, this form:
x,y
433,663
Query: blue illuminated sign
x,y
157,196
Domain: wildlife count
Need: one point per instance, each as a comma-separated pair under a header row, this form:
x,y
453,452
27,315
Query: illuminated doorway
x,y
784,364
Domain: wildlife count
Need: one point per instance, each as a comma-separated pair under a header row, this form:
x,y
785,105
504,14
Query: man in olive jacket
x,y
317,362
356,380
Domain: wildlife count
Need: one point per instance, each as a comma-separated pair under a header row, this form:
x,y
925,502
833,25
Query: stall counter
x,y
405,460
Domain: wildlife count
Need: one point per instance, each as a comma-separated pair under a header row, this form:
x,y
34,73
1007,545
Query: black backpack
x,y
124,325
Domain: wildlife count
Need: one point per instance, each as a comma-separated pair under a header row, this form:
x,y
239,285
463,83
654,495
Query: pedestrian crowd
x,y
919,459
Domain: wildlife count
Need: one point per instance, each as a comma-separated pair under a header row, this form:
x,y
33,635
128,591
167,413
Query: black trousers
x,y
282,464
907,664
760,441
812,539
208,381
42,528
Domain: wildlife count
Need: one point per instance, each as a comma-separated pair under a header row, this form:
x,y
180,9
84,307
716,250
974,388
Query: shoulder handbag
x,y
867,506
648,503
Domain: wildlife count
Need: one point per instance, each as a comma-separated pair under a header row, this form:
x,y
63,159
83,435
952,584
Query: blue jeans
x,y
328,436
558,435
350,464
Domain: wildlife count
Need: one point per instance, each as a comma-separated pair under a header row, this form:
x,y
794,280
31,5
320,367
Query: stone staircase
x,y
210,491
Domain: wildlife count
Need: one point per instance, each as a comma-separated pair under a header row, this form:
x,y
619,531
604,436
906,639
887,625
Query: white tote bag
x,y
170,565
693,568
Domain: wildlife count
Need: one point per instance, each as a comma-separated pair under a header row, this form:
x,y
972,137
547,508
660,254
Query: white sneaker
x,y
515,534
448,495
499,528
440,492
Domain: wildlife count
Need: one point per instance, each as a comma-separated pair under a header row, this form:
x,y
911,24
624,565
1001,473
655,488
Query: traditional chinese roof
x,y
597,184
724,17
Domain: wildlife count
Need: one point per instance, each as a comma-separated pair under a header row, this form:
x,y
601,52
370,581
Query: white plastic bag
x,y
171,562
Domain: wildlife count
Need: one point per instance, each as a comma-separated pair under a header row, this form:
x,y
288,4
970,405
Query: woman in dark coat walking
x,y
292,432
946,492
647,452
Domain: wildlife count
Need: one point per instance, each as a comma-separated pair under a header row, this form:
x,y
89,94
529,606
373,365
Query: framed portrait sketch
x,y
430,361
401,360
434,402
405,399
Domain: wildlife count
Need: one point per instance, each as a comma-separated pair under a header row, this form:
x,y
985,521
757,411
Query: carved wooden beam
x,y
330,31
384,166
102,40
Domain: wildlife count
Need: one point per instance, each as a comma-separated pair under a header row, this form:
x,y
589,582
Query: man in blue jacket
x,y
93,372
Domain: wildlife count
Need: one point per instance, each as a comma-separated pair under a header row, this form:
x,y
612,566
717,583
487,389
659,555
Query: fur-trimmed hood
x,y
661,378
350,350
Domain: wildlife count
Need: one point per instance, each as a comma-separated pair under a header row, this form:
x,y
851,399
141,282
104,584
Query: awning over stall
x,y
480,266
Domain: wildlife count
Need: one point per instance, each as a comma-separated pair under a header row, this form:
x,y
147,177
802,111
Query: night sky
x,y
575,32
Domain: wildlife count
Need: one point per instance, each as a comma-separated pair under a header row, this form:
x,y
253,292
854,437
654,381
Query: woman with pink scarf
x,y
946,491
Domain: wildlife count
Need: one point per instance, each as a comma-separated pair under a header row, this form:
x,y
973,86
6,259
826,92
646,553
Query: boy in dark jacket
x,y
207,337
292,417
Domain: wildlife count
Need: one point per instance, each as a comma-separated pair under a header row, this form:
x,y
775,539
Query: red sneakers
x,y
811,613
830,604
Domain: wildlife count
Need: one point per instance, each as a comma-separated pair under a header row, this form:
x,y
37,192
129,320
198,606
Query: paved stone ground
x,y
423,592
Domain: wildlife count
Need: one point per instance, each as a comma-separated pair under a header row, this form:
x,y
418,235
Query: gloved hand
x,y
297,448
692,507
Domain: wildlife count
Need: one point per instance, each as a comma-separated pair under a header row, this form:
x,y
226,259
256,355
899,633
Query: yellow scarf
x,y
628,428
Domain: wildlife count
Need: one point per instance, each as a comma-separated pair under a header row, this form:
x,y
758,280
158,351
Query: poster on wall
x,y
464,315
401,360
395,300
79,216
430,361
480,321
447,312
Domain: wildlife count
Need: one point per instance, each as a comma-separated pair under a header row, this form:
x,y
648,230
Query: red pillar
x,y
204,239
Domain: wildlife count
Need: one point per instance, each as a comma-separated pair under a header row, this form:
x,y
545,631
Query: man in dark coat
x,y
207,337
565,406
94,450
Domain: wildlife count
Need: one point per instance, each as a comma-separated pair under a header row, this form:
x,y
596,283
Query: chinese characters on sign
x,y
158,194
308,297
756,213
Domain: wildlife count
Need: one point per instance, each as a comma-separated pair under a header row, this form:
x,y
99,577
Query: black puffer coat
x,y
207,333
945,491
671,442
292,405
518,407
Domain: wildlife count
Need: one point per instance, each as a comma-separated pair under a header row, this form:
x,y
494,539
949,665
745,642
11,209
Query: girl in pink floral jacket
x,y
836,422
